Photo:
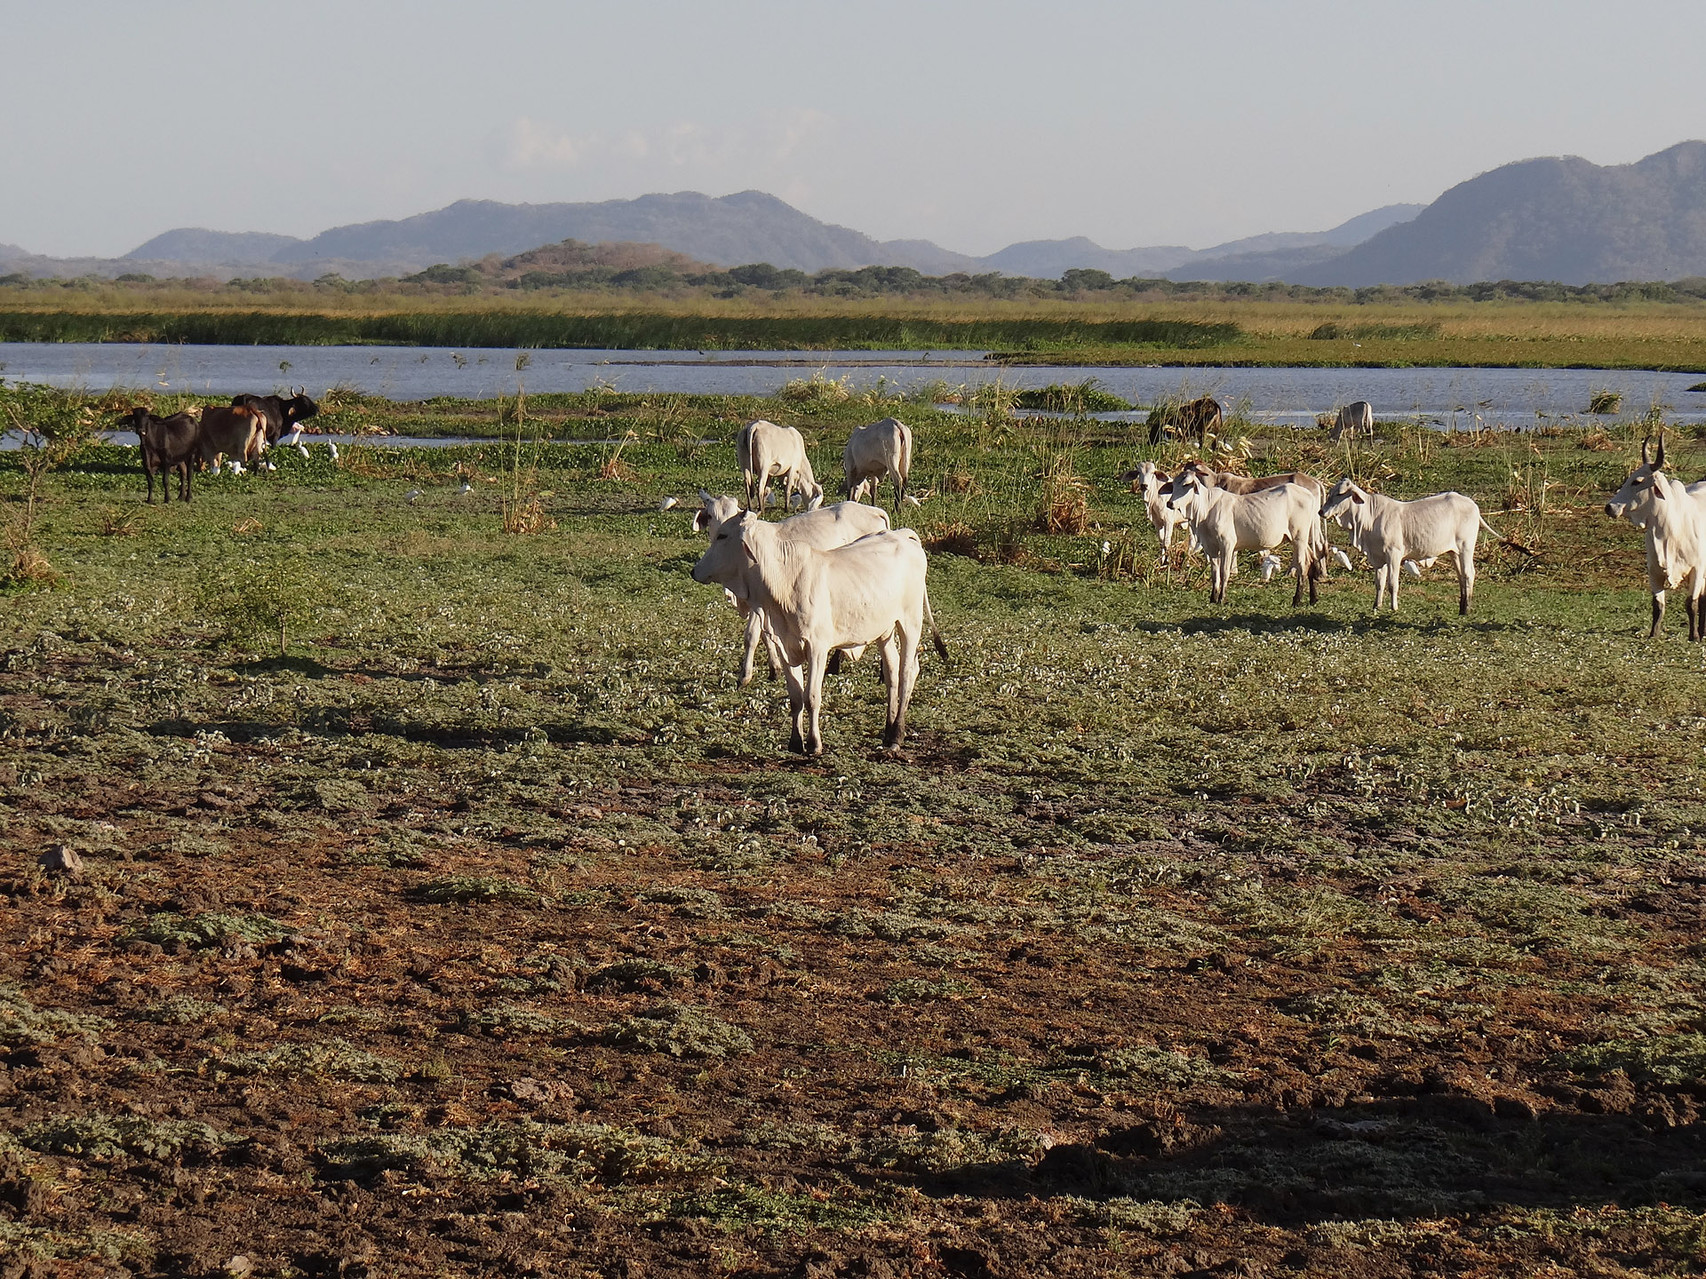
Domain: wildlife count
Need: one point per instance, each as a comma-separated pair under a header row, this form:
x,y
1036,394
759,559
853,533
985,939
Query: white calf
x,y
1389,532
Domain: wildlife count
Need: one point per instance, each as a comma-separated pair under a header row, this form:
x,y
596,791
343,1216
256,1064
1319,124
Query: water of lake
x,y
1449,397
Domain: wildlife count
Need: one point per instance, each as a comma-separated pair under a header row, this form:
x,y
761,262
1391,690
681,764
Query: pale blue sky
x,y
971,124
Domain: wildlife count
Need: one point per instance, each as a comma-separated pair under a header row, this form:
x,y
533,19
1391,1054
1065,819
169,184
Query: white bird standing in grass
x,y
412,494
303,449
1343,560
665,504
466,489
1270,564
334,449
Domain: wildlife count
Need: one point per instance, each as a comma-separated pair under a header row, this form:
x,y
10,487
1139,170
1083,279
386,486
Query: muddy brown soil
x,y
304,1011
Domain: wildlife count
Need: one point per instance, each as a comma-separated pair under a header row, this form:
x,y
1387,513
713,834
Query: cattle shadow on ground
x,y
1405,1158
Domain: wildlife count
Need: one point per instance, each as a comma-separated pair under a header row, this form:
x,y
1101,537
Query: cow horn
x,y
1645,460
1659,461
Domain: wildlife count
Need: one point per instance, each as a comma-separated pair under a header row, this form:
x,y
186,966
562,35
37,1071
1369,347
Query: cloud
x,y
530,145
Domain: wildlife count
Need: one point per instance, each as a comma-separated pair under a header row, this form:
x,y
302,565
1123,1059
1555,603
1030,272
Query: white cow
x,y
1389,532
1225,523
814,602
882,450
1673,516
765,450
1356,418
826,527
1155,486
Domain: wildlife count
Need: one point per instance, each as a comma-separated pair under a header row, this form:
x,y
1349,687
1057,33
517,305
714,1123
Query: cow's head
x,y
1638,486
299,408
1186,485
728,555
713,511
1342,501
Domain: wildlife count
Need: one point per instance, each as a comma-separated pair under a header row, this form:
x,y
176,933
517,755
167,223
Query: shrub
x,y
1604,400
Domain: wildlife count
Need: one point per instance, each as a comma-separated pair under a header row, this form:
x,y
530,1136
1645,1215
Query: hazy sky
x,y
972,124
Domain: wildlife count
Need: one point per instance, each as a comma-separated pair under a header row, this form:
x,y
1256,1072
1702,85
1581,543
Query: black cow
x,y
1197,418
168,444
281,414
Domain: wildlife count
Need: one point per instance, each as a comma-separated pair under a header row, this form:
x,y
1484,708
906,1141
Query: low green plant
x,y
680,1030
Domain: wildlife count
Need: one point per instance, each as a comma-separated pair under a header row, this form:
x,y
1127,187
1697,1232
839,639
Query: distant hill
x,y
1271,255
1561,218
194,244
748,226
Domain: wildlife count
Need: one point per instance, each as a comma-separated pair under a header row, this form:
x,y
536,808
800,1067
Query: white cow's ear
x,y
1356,496
1659,491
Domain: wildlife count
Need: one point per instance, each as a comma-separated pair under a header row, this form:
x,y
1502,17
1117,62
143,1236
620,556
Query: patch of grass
x,y
474,888
320,1059
737,1208
22,1024
1676,1060
102,1138
207,930
680,1030
575,1152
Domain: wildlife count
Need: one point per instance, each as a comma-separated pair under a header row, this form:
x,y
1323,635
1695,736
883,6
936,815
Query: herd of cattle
x,y
835,580
821,586
237,433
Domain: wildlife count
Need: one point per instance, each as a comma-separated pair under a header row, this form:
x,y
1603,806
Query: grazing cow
x,y
763,450
236,432
1388,532
1197,417
167,444
871,591
1225,523
882,450
1353,419
281,414
826,527
1673,516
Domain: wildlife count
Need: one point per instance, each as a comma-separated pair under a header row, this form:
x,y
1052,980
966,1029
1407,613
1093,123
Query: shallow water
x,y
1448,397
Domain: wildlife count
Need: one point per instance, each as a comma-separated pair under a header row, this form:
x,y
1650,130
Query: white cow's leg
x,y
754,633
1379,586
816,660
889,651
1394,571
905,678
1465,579
797,708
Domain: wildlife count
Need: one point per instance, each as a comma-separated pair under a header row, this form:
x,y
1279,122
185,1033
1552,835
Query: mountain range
x,y
1559,218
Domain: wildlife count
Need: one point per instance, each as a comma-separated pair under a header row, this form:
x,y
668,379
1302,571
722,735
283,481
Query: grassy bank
x,y
490,927
1091,327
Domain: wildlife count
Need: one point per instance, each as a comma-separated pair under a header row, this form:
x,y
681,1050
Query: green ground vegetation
x,y
1297,938
1082,318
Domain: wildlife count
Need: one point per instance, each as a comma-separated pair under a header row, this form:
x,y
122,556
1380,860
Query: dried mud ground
x,y
492,931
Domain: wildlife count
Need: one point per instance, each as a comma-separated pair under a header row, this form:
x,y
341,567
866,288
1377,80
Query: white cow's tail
x,y
935,635
1488,528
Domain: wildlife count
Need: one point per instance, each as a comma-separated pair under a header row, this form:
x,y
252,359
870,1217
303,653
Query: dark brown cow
x,y
282,415
1196,418
168,444
235,432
